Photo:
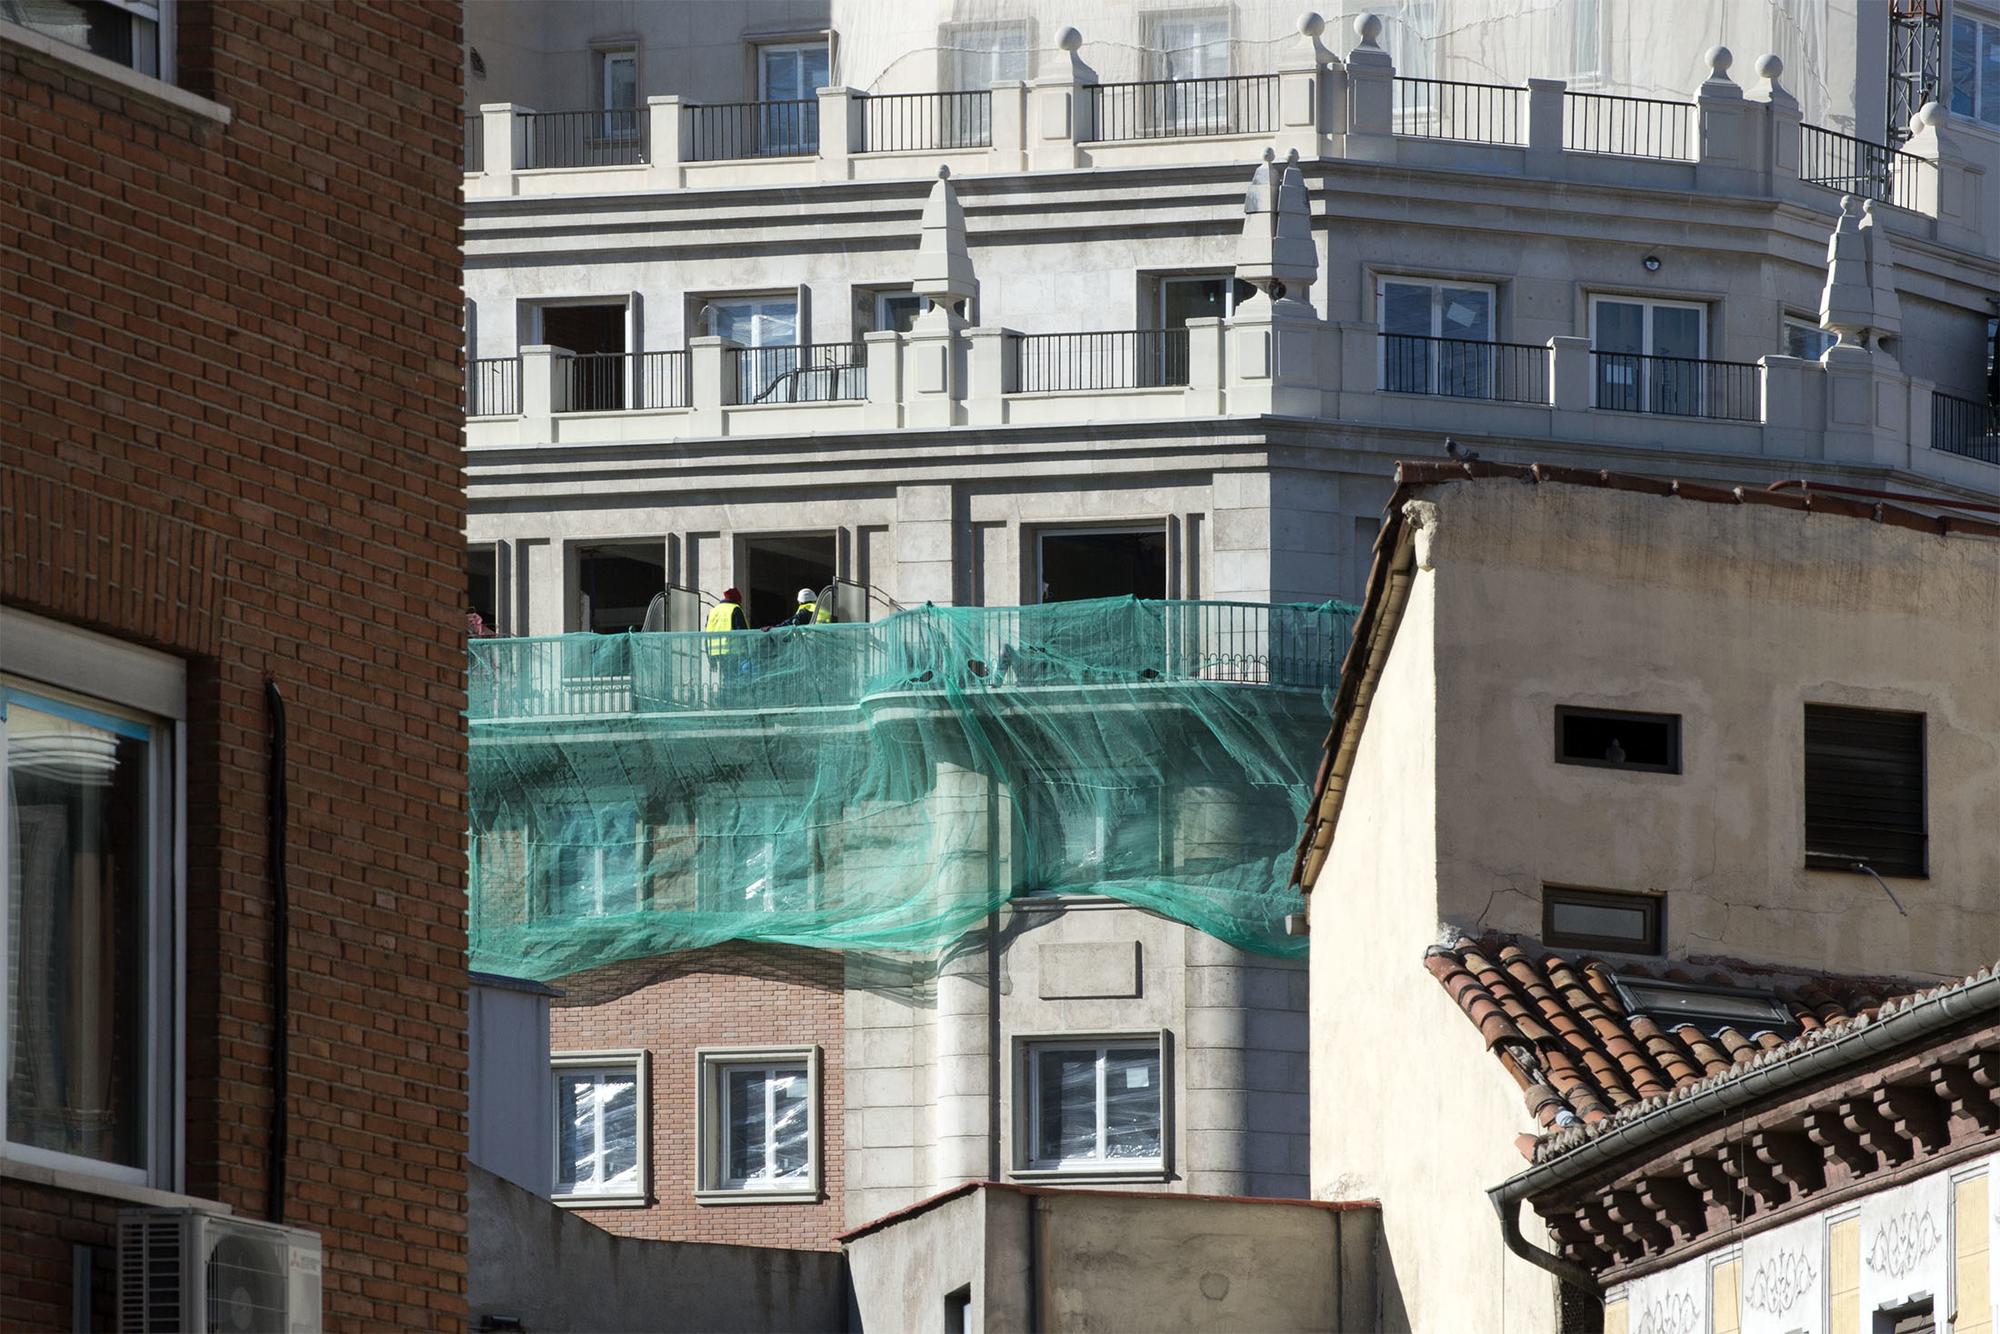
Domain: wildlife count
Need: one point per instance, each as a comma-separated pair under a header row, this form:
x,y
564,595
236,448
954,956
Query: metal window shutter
x,y
1865,787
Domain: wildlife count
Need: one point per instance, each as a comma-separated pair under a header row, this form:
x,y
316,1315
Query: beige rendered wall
x,y
1733,617
1407,1106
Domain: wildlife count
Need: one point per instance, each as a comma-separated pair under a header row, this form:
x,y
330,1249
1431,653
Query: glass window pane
x,y
813,69
78,806
1599,919
1406,309
780,73
790,1123
1676,332
576,1129
1068,1085
1132,1103
1989,74
621,83
749,1125
1964,61
618,1106
1620,326
1465,312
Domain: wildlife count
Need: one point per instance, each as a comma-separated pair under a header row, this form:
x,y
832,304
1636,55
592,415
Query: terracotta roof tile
x,y
1577,1052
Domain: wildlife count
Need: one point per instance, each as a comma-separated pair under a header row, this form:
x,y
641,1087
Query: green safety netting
x,y
886,785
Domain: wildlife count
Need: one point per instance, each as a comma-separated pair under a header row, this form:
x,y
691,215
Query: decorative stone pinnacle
x,y
1928,115
1368,27
944,171
1720,59
1270,154
1770,67
1311,24
1069,39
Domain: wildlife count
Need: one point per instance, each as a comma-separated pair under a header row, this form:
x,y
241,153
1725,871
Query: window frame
x,y
1027,1093
1673,721
763,50
1161,526
1649,378
609,56
1840,862
1433,368
639,1061
160,13
712,1065
121,683
1653,944
1984,25
619,806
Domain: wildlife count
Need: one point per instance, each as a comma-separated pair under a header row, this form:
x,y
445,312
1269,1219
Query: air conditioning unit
x,y
190,1272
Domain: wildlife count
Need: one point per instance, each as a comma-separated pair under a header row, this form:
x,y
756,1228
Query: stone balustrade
x,y
1725,140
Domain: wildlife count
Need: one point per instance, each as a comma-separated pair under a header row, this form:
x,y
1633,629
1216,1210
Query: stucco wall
x,y
1733,617
552,1270
1407,1106
510,1104
1092,1262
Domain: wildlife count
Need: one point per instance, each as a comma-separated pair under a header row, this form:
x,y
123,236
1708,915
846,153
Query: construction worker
x,y
808,612
724,615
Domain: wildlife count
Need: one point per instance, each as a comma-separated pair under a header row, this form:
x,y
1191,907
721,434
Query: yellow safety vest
x,y
822,615
722,616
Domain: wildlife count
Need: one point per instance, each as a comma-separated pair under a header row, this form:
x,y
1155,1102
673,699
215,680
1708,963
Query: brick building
x,y
229,299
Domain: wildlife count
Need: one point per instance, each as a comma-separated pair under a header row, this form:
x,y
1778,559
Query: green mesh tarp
x,y
887,785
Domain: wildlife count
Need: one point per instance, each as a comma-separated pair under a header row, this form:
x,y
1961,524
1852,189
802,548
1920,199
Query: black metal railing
x,y
1465,368
1477,113
616,381
1965,426
582,138
1677,386
899,122
1857,167
1183,108
802,373
1628,126
1113,359
493,387
728,130
475,144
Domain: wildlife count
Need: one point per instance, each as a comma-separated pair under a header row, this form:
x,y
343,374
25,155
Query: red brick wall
x,y
729,995
229,429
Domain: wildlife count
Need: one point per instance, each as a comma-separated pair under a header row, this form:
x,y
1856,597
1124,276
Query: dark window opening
x,y
617,583
593,377
1104,565
1650,742
776,568
1865,791
1912,1317
482,585
958,1310
1594,919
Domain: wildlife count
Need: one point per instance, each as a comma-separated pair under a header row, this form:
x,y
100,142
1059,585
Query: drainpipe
x,y
277,808
1975,999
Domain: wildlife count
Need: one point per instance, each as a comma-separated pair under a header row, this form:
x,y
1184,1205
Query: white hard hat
x,y
807,595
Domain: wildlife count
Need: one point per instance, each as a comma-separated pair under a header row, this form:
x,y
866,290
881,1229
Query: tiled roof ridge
x,y
1584,1062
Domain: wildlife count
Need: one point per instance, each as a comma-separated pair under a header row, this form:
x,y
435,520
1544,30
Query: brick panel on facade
x,y
229,430
729,995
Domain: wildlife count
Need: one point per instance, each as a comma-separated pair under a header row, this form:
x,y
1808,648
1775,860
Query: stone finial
x,y
1928,116
1769,68
1719,60
1070,40
1845,299
1888,307
1275,253
1368,27
1369,52
1718,84
1311,24
944,263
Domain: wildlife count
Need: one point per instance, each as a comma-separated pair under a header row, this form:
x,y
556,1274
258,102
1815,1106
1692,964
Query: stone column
x,y
1009,149
989,375
1299,87
1952,187
1274,359
664,151
541,396
1205,396
1569,373
1240,537
1058,110
1780,132
711,382
1371,87
1545,127
964,1020
884,351
502,137
924,546
840,132
1728,155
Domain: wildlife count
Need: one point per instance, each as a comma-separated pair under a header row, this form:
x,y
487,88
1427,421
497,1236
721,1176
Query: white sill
x,y
600,1201
811,1196
89,1183
110,71
1155,1172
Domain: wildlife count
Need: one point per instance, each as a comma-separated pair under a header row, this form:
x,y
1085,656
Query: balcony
x,y
927,652
1725,140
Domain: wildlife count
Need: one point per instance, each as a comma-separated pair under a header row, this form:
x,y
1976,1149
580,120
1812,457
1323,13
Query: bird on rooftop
x,y
1460,452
